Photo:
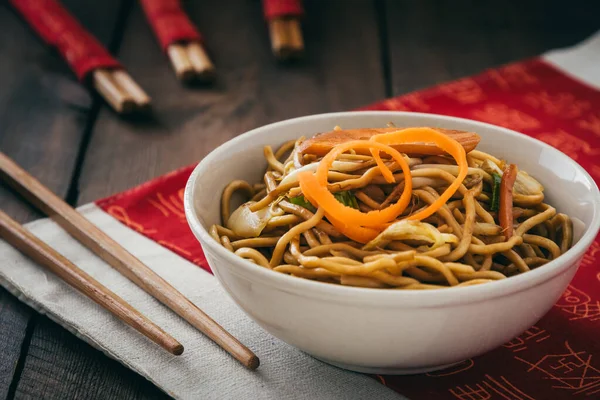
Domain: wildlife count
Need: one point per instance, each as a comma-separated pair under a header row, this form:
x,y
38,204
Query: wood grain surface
x,y
251,89
43,117
357,52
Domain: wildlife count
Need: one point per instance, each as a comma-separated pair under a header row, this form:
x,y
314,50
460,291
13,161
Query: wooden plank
x,y
43,114
341,71
60,366
431,42
14,317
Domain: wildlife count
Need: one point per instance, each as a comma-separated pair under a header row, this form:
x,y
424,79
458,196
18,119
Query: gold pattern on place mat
x,y
578,304
416,101
519,343
120,214
199,261
490,389
595,171
561,105
590,256
395,104
571,370
592,123
501,114
569,144
464,91
453,370
172,203
174,247
164,211
512,75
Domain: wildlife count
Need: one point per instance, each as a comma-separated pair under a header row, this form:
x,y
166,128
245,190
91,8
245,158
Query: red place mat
x,y
558,358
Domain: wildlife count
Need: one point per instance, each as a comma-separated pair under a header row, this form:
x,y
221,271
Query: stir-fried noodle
x,y
494,225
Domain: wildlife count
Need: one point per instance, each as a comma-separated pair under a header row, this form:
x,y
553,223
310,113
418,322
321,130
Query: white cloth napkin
x,y
581,61
204,371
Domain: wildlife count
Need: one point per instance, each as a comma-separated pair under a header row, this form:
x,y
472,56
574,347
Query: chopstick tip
x,y
178,349
286,39
253,362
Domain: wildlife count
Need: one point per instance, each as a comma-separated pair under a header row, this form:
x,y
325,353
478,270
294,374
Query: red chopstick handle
x,y
57,27
169,22
282,8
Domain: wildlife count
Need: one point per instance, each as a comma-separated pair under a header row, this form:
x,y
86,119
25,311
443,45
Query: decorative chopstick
x,y
24,241
179,39
283,17
190,62
286,38
90,61
120,91
114,254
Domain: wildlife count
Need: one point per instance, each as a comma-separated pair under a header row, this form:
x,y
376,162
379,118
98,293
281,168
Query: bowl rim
x,y
350,294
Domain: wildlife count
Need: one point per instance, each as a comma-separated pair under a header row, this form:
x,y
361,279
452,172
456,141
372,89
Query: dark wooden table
x,y
357,52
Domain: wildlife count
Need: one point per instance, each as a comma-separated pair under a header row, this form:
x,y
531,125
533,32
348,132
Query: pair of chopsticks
x,y
286,38
179,38
283,17
120,91
115,255
190,62
176,34
91,62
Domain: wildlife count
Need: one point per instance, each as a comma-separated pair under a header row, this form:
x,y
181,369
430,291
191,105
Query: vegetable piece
x,y
444,142
246,223
491,167
302,202
411,230
524,184
505,213
496,180
527,185
346,198
323,143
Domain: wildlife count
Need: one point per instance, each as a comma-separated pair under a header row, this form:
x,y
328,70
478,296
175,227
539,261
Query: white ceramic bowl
x,y
392,331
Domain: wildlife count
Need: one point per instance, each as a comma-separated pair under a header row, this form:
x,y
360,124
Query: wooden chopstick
x,y
180,62
40,252
286,38
191,62
128,265
120,91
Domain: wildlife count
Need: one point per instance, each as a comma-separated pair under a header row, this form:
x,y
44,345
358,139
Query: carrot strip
x,y
319,195
363,227
444,142
321,144
505,213
357,233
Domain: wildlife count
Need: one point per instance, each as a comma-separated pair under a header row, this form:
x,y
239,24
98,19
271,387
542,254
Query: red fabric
x,y
80,49
282,8
558,358
169,22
